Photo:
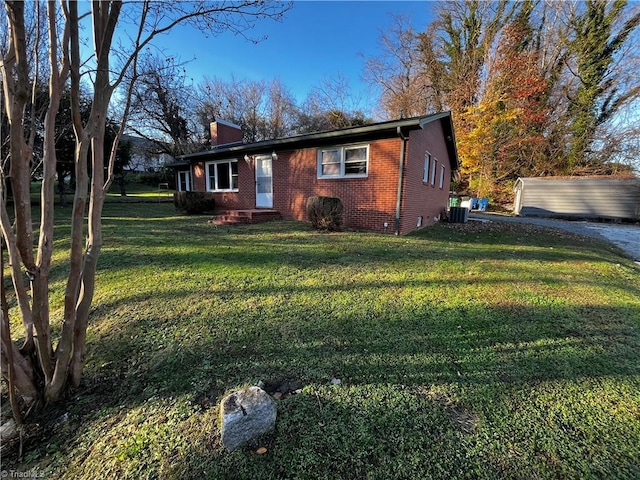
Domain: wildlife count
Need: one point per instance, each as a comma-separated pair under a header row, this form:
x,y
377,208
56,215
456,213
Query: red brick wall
x,y
199,182
244,198
421,198
368,202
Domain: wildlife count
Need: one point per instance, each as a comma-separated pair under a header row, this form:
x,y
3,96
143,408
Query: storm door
x,y
264,182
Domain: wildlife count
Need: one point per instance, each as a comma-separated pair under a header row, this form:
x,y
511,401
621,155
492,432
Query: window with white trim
x,y
427,164
434,169
343,162
222,176
441,176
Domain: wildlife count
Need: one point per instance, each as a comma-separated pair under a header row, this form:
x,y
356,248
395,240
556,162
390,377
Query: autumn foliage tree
x,y
535,88
504,134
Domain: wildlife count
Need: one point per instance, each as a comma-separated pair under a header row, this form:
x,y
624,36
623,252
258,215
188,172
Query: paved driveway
x,y
624,236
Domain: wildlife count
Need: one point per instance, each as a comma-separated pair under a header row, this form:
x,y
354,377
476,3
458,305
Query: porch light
x,y
274,155
248,159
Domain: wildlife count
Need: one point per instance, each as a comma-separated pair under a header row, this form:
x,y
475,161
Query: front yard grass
x,y
463,351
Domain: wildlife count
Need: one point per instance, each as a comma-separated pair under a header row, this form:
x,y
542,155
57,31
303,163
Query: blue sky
x,y
315,40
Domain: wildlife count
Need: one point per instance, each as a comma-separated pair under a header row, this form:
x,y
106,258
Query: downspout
x,y
403,148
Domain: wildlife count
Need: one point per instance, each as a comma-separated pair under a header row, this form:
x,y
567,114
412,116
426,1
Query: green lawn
x,y
464,351
137,192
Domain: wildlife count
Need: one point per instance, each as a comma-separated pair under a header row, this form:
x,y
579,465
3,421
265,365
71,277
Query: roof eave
x,y
381,130
446,121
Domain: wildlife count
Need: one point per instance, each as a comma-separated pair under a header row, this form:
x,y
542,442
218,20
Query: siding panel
x,y
613,198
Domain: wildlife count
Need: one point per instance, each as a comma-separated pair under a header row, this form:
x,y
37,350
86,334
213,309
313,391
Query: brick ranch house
x,y
391,177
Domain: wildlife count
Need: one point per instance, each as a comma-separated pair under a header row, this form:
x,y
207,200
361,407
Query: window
x,y
427,163
434,169
184,181
339,162
441,176
222,176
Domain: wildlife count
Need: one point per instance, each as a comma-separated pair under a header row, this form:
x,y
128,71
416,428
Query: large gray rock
x,y
8,430
246,414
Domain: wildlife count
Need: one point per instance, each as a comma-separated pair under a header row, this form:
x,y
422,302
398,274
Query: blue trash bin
x,y
474,203
484,203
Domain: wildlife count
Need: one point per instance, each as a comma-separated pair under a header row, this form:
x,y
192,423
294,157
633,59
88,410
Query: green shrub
x,y
193,202
325,213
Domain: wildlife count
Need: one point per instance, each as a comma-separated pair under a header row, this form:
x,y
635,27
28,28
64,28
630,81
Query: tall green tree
x,y
441,68
600,35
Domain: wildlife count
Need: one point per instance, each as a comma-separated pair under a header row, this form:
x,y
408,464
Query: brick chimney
x,y
223,132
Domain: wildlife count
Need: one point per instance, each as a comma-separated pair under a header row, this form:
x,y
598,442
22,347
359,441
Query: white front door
x,y
264,182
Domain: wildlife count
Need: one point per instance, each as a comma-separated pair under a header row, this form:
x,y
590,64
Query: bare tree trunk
x,y
18,239
121,185
64,365
90,260
57,79
62,194
17,275
94,233
14,67
64,348
14,365
81,279
20,173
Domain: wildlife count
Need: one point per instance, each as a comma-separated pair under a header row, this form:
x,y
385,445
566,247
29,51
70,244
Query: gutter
x,y
403,148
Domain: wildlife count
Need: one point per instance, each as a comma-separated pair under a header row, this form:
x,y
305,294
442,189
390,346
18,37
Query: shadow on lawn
x,y
407,343
399,342
390,365
472,346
